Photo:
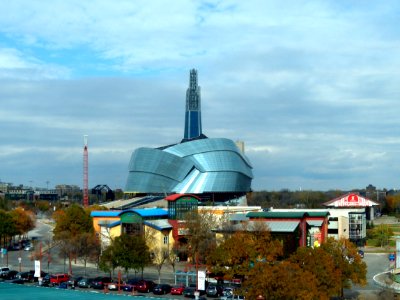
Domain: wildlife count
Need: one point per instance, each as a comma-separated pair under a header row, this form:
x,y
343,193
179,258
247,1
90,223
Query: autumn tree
x,y
382,234
43,206
159,256
4,204
70,224
75,220
159,251
392,203
107,262
201,239
244,249
87,247
282,280
130,252
24,220
7,227
173,256
320,263
348,263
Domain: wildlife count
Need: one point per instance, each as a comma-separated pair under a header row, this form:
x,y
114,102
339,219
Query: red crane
x,y
85,173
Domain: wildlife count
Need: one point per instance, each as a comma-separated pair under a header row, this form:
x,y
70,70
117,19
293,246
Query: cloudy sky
x,y
311,87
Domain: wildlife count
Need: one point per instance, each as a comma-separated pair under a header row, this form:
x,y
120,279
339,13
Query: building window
x,y
178,209
166,240
133,228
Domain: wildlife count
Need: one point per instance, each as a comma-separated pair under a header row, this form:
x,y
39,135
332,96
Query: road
x,y
376,263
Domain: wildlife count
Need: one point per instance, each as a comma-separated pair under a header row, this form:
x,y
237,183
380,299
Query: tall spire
x,y
193,108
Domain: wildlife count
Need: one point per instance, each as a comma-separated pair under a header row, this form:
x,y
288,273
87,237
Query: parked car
x,y
162,289
145,286
131,285
63,285
189,292
73,281
100,282
25,276
113,286
85,283
177,289
46,280
4,271
227,292
10,275
56,279
28,247
214,290
36,279
18,281
232,297
15,247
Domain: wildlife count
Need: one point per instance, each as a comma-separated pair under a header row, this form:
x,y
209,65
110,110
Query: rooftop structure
x,y
193,108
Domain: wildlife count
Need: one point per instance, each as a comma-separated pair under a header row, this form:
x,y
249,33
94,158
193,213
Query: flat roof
x,y
277,215
282,226
143,212
105,213
159,224
147,212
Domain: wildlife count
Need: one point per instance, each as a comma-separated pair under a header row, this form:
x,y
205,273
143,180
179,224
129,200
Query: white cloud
x,y
311,87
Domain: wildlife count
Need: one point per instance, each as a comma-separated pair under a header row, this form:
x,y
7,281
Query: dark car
x,y
4,271
25,276
85,283
18,281
100,282
42,274
162,289
189,292
145,286
45,280
9,275
214,290
73,281
131,285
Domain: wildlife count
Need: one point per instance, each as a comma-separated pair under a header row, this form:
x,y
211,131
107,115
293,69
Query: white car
x,y
28,248
113,286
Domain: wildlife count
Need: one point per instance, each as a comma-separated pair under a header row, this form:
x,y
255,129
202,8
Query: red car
x,y
145,286
177,289
56,279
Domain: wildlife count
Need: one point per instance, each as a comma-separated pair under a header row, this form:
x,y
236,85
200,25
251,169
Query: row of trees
x,y
15,223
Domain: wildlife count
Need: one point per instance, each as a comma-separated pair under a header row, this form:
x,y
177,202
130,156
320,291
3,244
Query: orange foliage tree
x,y
237,254
24,220
348,262
284,280
320,263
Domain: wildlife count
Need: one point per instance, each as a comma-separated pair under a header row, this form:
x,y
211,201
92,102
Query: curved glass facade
x,y
197,166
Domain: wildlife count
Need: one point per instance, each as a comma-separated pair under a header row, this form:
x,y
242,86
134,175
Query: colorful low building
x,y
151,223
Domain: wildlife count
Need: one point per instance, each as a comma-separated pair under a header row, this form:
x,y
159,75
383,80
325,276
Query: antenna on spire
x,y
85,172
